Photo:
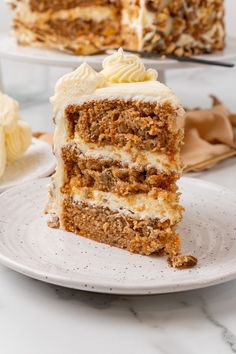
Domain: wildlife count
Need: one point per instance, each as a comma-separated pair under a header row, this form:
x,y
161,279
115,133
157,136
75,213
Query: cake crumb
x,y
182,262
53,222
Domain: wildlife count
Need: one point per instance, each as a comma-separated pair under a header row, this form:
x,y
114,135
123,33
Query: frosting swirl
x,y
9,112
17,141
15,134
82,81
123,68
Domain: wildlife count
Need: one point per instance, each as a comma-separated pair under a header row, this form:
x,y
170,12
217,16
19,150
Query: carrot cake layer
x,y
144,236
112,175
141,125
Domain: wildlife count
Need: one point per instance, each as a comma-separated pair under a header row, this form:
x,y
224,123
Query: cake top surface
x,y
123,76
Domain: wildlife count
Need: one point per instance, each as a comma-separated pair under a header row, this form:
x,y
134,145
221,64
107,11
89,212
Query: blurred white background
x,y
33,84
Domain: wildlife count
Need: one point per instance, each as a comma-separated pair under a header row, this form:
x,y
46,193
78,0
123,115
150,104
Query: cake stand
x,y
9,49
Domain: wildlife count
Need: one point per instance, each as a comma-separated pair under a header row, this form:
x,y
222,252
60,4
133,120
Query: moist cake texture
x,y
182,27
117,142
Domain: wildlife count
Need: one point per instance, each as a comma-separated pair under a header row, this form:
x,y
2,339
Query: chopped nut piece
x,y
182,262
53,222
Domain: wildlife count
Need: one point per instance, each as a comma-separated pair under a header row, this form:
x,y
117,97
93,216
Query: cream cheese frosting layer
x,y
149,91
123,76
140,206
133,158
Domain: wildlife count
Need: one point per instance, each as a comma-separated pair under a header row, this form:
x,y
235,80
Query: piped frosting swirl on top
x,y
83,81
125,68
9,112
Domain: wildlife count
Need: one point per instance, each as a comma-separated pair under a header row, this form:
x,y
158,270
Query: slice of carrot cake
x,y
117,143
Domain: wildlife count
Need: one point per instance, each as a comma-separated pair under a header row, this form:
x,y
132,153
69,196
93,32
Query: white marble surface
x,y
38,318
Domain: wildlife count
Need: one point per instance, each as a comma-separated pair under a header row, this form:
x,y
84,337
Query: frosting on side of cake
x,y
177,27
15,134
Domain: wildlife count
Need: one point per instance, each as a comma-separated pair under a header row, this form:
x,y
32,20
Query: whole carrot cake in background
x,y
182,27
117,143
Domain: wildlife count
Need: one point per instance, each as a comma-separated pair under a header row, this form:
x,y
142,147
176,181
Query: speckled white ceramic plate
x,y
38,161
208,231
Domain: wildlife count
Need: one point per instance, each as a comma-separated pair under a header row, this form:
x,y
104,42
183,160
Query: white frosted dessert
x,y
15,134
117,143
180,27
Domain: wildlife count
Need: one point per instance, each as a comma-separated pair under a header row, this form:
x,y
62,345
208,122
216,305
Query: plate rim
x,y
110,287
43,174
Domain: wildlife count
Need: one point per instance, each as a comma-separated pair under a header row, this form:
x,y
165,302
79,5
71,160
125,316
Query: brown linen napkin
x,y
48,137
209,133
